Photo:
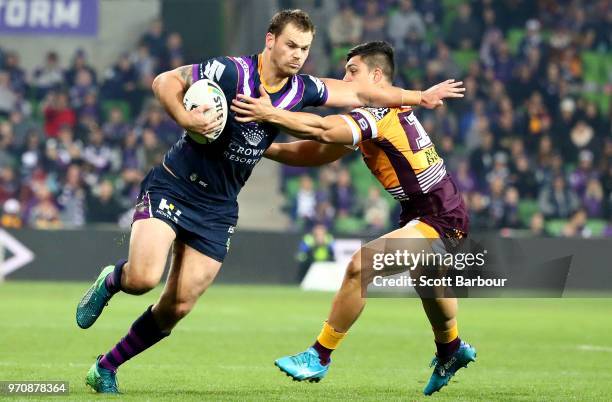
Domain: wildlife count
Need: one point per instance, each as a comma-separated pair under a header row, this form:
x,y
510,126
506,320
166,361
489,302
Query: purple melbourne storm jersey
x,y
217,171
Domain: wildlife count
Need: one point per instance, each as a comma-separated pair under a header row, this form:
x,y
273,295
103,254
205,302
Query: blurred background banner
x,y
49,17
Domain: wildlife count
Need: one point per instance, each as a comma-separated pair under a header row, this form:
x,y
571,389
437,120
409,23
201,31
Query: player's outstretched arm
x,y
305,153
328,130
353,94
169,88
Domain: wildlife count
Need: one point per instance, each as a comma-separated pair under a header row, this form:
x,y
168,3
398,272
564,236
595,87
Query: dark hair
x,y
299,18
375,54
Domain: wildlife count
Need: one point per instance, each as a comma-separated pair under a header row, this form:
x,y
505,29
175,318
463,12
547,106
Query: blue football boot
x,y
304,366
93,301
445,370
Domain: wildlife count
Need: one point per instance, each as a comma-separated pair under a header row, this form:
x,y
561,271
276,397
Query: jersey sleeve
x,y
365,123
315,91
221,70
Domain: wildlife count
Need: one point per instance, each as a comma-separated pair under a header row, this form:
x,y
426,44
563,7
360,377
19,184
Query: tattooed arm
x,y
169,88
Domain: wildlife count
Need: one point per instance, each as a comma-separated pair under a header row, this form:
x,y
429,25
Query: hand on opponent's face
x,y
250,109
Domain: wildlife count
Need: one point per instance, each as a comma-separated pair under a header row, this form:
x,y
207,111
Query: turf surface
x,y
528,349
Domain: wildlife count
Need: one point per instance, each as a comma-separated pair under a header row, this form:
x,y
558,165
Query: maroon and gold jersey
x,y
399,153
397,149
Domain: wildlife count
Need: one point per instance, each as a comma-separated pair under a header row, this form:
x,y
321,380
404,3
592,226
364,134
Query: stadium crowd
x,y
529,145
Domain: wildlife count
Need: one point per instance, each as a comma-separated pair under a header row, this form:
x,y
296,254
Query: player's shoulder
x,y
315,91
311,80
378,113
215,67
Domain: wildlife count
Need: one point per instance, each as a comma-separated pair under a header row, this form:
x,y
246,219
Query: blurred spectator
x,y
102,205
44,213
71,198
431,10
174,48
166,129
523,177
9,183
536,225
465,31
17,75
580,176
79,64
532,38
511,217
374,22
479,212
376,211
346,27
343,194
406,20
500,167
57,113
115,129
503,63
447,66
324,215
11,215
145,64
82,86
556,200
491,39
316,246
581,138
576,225
49,76
97,153
497,202
464,178
481,159
155,38
90,109
8,98
593,199
153,150
305,201
121,82
21,127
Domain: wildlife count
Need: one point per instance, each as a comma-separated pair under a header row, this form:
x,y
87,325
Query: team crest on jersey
x,y
253,133
378,112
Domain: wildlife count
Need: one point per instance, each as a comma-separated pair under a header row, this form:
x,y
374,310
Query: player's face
x,y
289,49
358,71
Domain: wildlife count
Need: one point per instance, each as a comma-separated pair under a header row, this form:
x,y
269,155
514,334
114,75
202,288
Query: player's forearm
x,y
371,95
305,126
169,89
297,153
304,153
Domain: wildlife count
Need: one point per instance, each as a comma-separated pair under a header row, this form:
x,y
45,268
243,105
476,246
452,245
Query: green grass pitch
x,y
528,349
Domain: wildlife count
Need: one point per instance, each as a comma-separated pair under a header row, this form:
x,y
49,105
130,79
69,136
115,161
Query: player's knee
x,y
139,284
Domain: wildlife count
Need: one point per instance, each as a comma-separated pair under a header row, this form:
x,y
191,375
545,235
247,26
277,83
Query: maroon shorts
x,y
442,208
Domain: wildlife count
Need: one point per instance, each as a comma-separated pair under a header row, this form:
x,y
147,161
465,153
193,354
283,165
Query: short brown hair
x,y
299,18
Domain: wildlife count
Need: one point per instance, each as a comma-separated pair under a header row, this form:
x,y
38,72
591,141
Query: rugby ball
x,y
206,92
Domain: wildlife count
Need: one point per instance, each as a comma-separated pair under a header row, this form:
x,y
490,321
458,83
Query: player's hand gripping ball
x,y
207,92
